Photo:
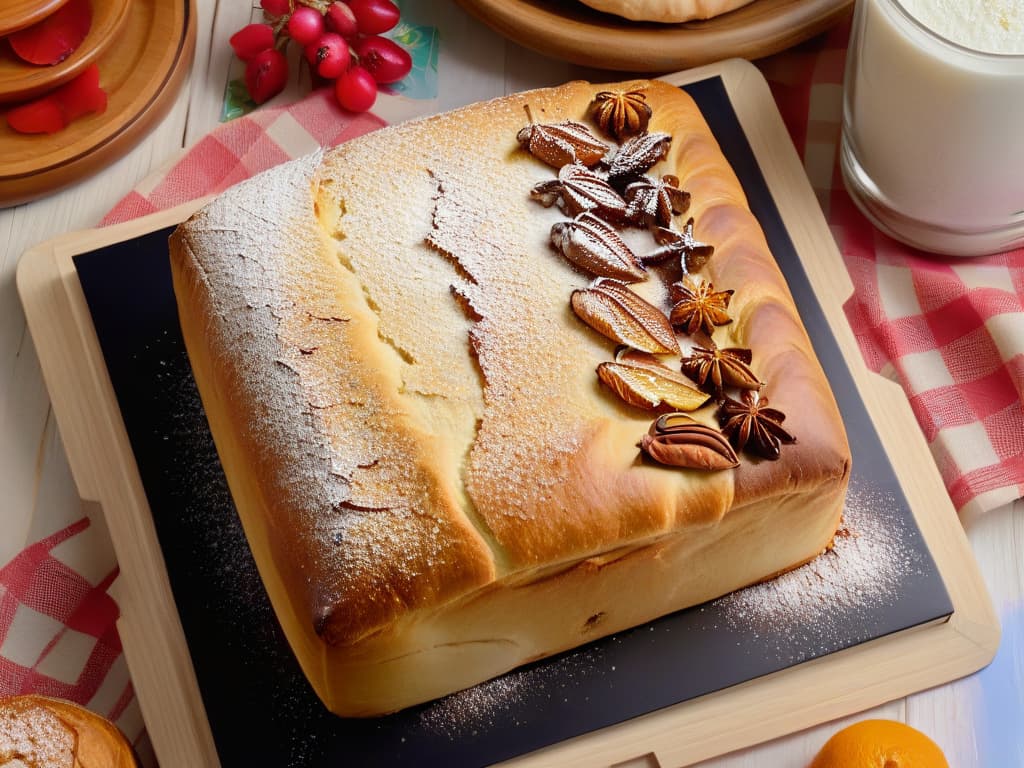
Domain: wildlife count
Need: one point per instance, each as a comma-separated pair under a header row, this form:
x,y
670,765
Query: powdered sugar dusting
x,y
815,606
368,516
35,736
467,713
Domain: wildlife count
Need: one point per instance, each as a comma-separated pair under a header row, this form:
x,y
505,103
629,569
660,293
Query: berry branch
x,y
340,39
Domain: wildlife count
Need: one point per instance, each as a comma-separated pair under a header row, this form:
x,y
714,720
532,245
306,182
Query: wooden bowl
x,y
65,735
19,14
21,81
142,75
569,30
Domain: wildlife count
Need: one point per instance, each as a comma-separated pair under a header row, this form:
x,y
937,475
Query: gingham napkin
x,y
951,332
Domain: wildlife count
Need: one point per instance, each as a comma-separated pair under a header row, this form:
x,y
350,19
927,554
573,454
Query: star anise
x,y
578,189
714,368
652,202
621,113
696,305
636,156
692,253
752,426
559,143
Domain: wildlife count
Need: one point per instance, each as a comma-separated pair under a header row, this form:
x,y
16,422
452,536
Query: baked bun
x,y
435,484
40,732
666,11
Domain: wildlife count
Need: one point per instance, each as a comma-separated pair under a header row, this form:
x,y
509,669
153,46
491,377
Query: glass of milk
x,y
933,122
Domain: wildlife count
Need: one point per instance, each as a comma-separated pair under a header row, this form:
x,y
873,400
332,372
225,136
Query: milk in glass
x,y
933,124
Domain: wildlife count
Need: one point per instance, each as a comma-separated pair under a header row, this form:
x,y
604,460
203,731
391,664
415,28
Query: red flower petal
x,y
55,110
41,116
56,37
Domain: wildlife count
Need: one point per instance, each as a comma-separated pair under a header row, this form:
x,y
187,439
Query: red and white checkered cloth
x,y
951,332
57,632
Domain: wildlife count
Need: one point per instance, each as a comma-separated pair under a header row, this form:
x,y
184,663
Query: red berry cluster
x,y
341,42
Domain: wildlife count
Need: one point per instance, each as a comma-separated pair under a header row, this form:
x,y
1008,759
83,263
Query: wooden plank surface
x,y
826,688
475,63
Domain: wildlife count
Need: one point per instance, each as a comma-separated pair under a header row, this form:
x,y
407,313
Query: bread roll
x,y
42,732
666,11
435,485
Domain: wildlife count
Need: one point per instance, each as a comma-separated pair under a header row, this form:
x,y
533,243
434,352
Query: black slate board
x,y
881,579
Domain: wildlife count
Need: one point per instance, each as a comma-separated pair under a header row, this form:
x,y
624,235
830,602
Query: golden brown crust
x,y
281,341
43,732
407,411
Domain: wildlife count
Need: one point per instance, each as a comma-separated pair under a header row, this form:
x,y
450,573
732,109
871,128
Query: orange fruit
x,y
879,744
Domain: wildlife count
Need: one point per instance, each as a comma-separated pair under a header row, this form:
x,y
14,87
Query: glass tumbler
x,y
933,134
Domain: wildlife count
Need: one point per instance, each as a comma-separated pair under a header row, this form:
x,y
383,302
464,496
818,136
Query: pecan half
x,y
621,113
752,426
692,254
578,189
677,440
559,143
616,312
596,247
714,368
697,306
636,156
640,380
653,203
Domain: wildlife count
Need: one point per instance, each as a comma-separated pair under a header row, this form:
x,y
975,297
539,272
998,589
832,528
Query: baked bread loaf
x,y
435,485
666,11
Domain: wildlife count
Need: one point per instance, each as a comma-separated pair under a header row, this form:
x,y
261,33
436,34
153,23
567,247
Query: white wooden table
x,y
977,721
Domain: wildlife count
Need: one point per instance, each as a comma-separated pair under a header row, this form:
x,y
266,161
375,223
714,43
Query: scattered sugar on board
x,y
205,506
474,710
811,607
217,548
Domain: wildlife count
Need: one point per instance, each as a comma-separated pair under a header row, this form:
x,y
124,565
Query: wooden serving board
x,y
141,72
569,30
164,644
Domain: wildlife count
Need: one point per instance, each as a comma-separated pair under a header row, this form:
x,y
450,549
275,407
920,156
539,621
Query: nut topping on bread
x,y
593,245
751,425
621,113
680,441
616,312
697,306
653,203
580,189
640,380
636,156
560,143
692,254
714,368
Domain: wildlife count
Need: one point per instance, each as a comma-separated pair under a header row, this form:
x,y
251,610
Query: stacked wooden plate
x,y
567,29
143,49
